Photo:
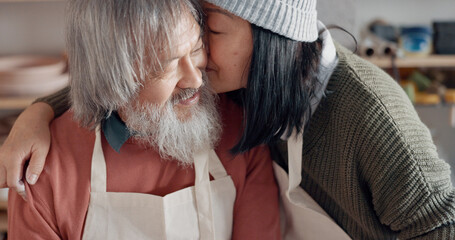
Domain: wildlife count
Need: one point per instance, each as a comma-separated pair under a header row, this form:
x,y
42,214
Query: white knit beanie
x,y
295,19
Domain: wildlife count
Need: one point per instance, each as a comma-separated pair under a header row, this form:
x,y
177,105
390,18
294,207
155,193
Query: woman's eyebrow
x,y
215,10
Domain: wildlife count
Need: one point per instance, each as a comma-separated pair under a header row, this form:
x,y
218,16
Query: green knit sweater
x,y
370,162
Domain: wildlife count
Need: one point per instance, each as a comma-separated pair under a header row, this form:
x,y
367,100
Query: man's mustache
x,y
184,94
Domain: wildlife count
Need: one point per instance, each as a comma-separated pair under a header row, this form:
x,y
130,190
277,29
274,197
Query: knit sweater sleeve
x,y
409,184
59,101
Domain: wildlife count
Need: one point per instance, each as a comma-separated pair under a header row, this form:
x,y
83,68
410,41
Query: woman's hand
x,y
29,139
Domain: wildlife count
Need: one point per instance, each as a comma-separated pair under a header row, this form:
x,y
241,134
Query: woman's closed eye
x,y
213,31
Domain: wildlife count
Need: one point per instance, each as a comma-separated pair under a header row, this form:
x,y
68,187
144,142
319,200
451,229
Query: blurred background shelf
x,y
15,103
3,216
415,62
31,1
3,221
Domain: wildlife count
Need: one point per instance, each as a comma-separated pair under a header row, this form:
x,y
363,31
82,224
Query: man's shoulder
x,y
67,128
71,146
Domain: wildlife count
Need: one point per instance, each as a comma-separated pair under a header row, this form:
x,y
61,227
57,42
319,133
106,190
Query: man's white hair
x,y
113,46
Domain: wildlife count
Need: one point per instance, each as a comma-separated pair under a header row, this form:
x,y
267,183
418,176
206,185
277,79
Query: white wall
x,y
37,27
341,13
355,15
403,12
33,27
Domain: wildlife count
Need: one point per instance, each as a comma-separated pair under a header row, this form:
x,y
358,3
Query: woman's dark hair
x,y
281,81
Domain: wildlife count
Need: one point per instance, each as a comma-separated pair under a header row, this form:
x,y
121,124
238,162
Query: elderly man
x,y
133,158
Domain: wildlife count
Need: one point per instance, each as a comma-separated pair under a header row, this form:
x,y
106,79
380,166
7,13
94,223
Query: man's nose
x,y
191,75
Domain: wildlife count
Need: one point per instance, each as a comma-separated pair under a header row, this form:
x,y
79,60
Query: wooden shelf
x,y
3,216
15,103
3,221
25,1
418,62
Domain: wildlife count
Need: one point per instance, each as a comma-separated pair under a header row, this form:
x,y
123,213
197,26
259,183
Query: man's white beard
x,y
159,127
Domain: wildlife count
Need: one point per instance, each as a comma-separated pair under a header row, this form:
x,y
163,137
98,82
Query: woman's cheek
x,y
217,50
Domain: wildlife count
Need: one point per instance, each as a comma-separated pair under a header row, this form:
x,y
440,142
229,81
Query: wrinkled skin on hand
x,y
29,139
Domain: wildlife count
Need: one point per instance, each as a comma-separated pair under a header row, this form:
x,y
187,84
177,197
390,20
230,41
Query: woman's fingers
x,y
14,175
36,164
29,138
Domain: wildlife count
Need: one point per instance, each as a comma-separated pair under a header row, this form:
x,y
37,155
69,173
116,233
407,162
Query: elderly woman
x,y
343,129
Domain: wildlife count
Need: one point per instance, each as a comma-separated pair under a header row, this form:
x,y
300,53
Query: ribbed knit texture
x,y
295,19
370,162
59,101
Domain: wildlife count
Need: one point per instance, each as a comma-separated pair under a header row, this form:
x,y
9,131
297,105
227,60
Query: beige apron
x,y
301,216
184,214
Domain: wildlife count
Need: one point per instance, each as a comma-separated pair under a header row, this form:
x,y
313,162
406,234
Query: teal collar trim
x,y
115,131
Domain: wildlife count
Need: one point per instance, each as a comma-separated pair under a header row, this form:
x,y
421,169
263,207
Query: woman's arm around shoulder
x,y
29,139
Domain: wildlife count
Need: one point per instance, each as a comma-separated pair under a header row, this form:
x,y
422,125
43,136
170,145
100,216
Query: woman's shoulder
x,y
361,71
361,81
369,97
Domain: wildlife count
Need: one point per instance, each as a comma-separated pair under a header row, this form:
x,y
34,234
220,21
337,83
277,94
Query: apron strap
x,y
203,194
98,175
295,145
216,168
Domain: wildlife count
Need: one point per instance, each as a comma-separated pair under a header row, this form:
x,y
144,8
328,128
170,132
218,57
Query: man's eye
x,y
198,50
